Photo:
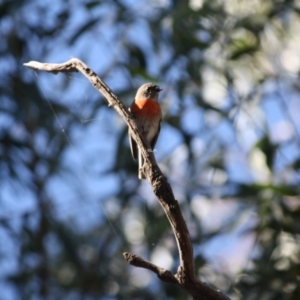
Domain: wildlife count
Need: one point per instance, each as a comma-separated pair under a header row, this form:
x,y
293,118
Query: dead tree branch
x,y
185,276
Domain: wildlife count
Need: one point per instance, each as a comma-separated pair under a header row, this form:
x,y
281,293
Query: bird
x,y
147,113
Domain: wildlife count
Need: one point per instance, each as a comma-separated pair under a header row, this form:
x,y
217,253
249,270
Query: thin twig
x,y
139,262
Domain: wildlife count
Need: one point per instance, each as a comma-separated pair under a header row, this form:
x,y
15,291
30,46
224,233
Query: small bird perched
x,y
147,112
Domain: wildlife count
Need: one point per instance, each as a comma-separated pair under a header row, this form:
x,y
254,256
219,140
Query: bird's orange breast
x,y
146,107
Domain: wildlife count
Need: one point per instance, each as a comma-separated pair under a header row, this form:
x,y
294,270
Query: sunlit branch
x,y
185,275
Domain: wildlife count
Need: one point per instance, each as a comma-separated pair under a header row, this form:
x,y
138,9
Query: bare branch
x,y
162,273
185,275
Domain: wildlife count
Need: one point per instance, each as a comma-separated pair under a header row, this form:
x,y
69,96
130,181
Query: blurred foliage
x,y
229,146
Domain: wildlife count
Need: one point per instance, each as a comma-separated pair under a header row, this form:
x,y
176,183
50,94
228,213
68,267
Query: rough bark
x,y
185,275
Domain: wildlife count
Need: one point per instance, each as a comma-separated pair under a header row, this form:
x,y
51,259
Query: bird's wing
x,y
133,145
156,136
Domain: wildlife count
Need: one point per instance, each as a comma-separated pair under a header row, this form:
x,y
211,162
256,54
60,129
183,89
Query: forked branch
x,y
185,276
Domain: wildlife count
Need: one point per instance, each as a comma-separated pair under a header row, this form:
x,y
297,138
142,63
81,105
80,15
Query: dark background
x,y
70,201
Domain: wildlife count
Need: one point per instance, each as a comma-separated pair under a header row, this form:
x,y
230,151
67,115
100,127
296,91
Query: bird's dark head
x,y
148,91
